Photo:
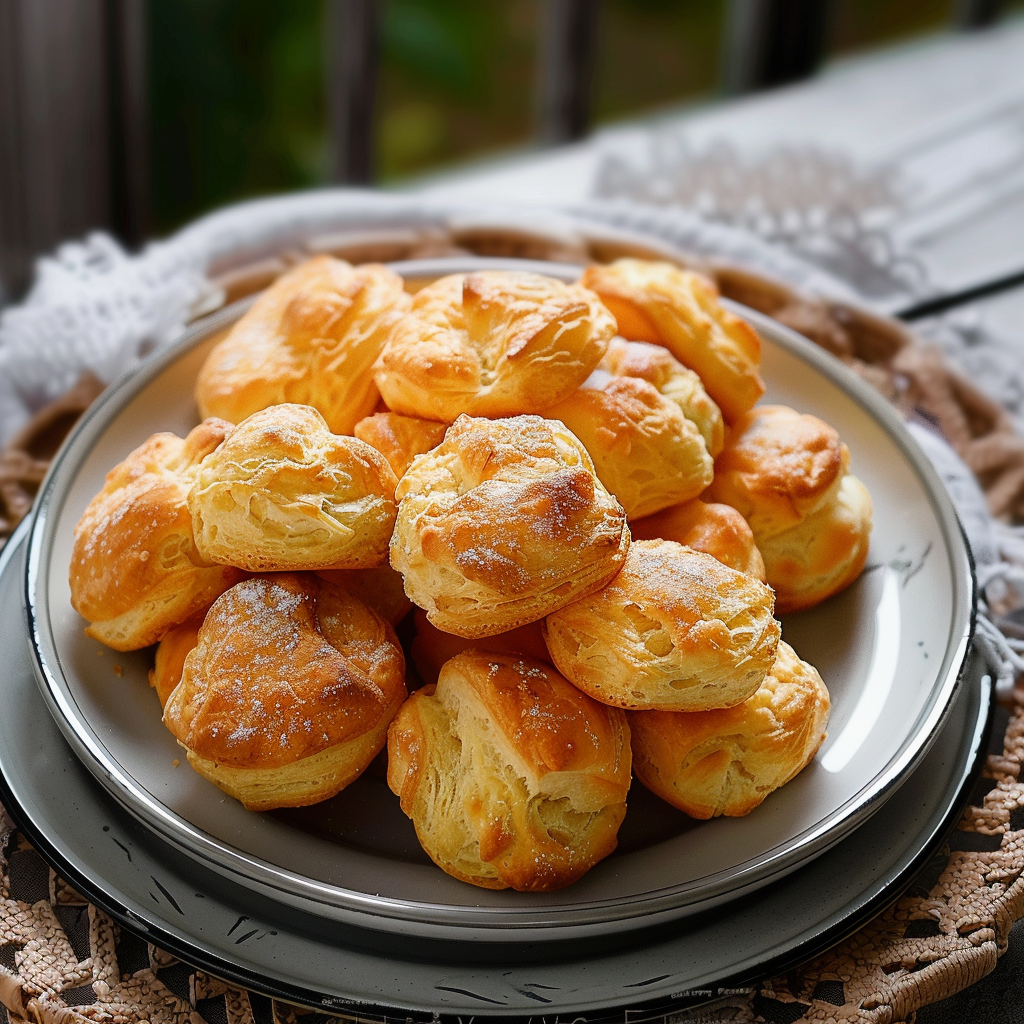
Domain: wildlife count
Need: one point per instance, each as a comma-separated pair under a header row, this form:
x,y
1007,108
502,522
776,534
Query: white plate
x,y
891,649
145,884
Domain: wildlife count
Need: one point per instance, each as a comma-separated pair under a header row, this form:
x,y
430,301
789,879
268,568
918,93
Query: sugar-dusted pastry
x,y
431,647
288,694
676,630
380,587
400,438
708,763
502,523
311,338
706,526
664,304
512,777
492,343
645,451
135,571
656,365
284,493
787,473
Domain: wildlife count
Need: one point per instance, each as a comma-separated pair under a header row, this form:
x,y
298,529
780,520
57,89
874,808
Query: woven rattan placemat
x,y
64,960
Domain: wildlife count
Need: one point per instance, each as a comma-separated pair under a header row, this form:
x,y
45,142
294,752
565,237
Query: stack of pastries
x,y
566,492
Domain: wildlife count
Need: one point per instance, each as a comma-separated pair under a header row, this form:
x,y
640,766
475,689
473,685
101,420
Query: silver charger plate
x,y
891,649
171,900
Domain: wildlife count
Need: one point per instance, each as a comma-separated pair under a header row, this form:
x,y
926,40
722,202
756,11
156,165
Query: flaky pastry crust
x,y
169,660
716,529
492,343
727,761
135,570
787,474
502,523
824,553
512,777
288,694
432,647
676,630
380,587
656,365
661,303
645,451
284,493
311,338
777,467
400,438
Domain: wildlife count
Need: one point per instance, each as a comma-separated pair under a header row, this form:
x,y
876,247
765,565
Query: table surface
x,y
928,138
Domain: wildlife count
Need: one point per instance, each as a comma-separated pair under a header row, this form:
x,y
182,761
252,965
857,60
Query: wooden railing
x,y
73,124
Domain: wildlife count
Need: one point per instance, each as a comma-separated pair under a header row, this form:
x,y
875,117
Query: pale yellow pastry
x,y
664,304
380,587
284,493
492,343
512,777
502,523
311,338
675,630
400,438
645,451
656,365
432,647
288,694
706,526
787,473
135,570
708,763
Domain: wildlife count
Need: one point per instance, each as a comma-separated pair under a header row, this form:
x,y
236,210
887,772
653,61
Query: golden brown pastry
x,y
289,692
400,438
171,653
645,451
284,493
707,526
431,647
787,474
135,571
656,365
664,304
502,523
380,587
676,630
708,763
512,777
311,339
492,343
778,466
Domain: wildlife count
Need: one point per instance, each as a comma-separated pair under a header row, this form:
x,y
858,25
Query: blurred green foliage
x,y
238,104
456,80
652,53
858,24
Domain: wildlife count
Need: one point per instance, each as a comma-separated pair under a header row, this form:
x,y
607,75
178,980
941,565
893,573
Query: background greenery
x,y
237,86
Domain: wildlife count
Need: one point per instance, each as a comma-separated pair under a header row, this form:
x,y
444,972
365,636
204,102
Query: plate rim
x,y
875,894
386,913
